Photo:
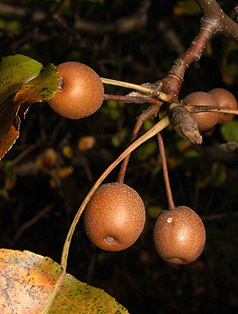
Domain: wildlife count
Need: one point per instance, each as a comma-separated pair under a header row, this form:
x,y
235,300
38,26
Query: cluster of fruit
x,y
115,215
115,218
217,97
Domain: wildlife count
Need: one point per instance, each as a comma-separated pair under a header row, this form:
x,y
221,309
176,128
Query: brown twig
x,y
64,25
125,25
213,12
172,83
31,222
132,99
213,22
23,36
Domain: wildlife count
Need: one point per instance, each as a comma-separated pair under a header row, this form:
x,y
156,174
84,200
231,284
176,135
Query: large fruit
x,y
114,217
226,100
205,120
179,235
80,92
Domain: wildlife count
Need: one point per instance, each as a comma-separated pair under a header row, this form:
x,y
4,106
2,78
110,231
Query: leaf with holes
x,y
31,283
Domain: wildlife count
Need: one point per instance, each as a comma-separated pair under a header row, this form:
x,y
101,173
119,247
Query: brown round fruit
x,y
114,217
179,235
80,92
226,100
205,120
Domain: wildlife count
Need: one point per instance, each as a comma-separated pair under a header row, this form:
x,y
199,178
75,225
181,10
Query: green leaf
x,y
22,81
41,88
31,283
14,71
229,131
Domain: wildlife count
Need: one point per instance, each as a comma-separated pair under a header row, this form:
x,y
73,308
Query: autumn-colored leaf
x,y
14,71
23,81
41,88
9,126
32,284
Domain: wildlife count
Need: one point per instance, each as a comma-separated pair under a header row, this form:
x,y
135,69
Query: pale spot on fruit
x,y
110,240
179,235
176,260
115,217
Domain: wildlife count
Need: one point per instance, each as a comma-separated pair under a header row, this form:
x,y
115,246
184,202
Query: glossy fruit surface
x,y
80,92
205,120
114,217
179,235
226,100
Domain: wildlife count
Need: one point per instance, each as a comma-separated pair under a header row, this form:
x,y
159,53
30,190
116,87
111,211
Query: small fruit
x,y
205,120
114,217
226,100
179,235
80,92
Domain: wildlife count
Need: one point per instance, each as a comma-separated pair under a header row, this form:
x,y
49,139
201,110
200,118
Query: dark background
x,y
40,192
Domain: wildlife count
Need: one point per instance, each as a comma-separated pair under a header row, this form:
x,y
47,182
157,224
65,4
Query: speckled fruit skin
x,y
179,235
114,217
205,120
225,99
80,92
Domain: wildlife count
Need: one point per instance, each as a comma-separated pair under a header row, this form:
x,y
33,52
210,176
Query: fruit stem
x,y
54,292
139,88
165,172
195,109
152,132
132,99
146,114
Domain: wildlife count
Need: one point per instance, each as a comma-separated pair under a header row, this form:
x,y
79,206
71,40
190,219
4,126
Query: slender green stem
x,y
139,88
152,132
